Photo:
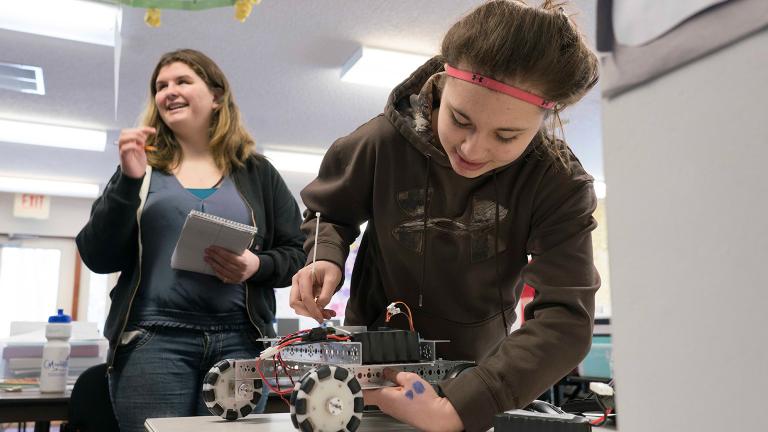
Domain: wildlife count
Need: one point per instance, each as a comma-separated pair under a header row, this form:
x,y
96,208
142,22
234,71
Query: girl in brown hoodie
x,y
461,180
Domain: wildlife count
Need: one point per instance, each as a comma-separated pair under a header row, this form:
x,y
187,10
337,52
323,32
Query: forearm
x,y
341,194
332,243
526,364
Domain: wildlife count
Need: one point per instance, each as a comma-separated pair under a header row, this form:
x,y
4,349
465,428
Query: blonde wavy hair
x,y
230,143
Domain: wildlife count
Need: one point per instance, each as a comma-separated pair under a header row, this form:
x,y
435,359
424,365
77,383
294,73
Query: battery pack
x,y
388,346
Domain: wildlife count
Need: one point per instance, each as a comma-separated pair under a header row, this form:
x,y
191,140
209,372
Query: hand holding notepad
x,y
202,230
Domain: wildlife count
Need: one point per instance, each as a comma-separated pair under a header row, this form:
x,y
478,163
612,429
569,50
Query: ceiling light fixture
x,y
295,159
22,78
78,20
48,187
12,131
381,68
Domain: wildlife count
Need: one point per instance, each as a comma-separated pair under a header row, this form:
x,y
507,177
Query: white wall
x,y
67,217
686,158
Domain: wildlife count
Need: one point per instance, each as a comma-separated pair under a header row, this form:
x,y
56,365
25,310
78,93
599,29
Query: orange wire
x,y
409,315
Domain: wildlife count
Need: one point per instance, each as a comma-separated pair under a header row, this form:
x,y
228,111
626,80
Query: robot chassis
x,y
328,396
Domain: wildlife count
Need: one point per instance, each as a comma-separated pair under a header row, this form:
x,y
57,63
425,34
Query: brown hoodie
x,y
533,207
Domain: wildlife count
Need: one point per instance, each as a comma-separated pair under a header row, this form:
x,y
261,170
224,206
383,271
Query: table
x,y
374,422
30,405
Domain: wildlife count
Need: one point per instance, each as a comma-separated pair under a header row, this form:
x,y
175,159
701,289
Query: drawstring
x,y
424,232
496,254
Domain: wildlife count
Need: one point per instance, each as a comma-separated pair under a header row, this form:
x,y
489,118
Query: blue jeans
x,y
159,373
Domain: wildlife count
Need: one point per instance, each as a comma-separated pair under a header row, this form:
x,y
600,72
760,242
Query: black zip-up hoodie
x,y
110,242
438,247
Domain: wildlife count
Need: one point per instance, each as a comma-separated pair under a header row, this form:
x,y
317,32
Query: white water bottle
x,y
55,367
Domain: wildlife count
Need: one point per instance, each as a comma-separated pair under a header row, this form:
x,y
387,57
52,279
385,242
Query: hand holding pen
x,y
314,285
132,146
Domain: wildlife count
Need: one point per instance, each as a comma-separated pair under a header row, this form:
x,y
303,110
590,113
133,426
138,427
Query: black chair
x,y
90,408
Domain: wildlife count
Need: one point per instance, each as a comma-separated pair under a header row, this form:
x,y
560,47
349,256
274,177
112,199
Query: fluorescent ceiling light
x,y
78,20
52,136
294,160
22,78
382,68
48,187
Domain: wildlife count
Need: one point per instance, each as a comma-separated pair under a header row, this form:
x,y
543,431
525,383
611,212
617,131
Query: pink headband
x,y
498,86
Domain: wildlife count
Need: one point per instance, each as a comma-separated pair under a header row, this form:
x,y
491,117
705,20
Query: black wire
x,y
292,338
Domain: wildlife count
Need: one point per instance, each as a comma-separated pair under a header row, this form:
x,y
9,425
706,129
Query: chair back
x,y
90,407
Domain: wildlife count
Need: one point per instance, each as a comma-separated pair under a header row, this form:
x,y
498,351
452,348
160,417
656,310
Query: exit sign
x,y
32,206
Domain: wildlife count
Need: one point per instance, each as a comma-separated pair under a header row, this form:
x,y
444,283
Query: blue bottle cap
x,y
60,318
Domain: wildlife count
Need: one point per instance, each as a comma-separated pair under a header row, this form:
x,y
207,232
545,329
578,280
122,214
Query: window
x,y
98,296
600,253
29,285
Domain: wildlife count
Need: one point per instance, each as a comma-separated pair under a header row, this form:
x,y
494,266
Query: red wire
x,y
264,379
274,366
285,344
291,339
292,336
601,420
285,368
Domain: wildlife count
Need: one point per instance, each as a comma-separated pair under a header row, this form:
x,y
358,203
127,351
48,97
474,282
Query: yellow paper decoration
x,y
152,17
243,9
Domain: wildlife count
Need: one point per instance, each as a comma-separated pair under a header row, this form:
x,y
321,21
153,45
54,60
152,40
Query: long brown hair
x,y
531,47
230,143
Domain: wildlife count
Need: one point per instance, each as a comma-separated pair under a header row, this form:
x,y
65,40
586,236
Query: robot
x,y
324,371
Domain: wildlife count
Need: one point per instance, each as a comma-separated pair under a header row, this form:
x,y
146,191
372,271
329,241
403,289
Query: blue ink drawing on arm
x,y
409,394
418,387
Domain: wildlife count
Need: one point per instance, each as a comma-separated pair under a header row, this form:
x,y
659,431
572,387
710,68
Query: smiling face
x,y
183,99
481,129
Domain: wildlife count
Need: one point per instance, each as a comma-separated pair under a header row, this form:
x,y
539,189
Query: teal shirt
x,y
181,298
202,193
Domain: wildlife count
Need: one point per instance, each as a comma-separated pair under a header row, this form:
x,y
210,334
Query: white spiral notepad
x,y
202,230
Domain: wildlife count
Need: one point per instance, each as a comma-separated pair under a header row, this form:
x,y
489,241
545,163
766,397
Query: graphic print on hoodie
x,y
476,225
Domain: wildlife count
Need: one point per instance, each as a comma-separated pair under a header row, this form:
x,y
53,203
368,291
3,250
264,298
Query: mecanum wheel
x,y
327,399
219,392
